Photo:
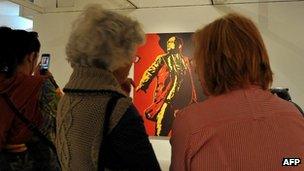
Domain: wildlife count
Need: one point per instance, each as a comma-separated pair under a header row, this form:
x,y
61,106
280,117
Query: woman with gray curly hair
x,y
98,127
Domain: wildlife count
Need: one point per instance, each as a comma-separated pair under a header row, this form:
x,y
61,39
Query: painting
x,y
165,80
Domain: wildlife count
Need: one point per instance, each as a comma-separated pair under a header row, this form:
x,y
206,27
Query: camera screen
x,y
45,60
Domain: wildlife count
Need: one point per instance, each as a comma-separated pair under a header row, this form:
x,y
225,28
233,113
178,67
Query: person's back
x,y
33,96
241,125
248,129
80,118
100,50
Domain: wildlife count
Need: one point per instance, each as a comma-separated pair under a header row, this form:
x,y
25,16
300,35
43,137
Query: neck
x,y
24,68
93,79
173,51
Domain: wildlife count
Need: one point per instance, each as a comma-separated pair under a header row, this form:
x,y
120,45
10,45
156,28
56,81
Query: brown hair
x,y
230,54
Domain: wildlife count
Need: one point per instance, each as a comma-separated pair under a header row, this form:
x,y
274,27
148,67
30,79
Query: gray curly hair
x,y
103,39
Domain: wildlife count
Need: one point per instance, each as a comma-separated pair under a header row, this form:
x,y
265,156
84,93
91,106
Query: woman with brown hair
x,y
241,126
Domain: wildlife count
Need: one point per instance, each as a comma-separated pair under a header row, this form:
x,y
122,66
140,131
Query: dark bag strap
x,y
298,107
32,127
109,109
106,125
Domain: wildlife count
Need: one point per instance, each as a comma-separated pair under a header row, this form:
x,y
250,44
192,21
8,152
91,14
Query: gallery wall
x,y
280,23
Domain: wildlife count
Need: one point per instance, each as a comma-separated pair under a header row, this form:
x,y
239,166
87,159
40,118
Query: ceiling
x,y
118,4
46,6
177,3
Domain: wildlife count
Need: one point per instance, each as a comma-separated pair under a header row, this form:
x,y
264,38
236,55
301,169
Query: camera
x,y
281,92
45,63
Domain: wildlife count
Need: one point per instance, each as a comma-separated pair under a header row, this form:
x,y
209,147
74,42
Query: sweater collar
x,y
86,78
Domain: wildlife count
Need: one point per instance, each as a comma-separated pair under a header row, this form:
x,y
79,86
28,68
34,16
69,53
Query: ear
x,y
31,57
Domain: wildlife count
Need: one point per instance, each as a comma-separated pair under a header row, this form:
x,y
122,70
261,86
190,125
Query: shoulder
x,y
32,81
31,84
123,109
195,109
299,108
188,115
160,57
282,106
201,114
130,125
132,112
130,118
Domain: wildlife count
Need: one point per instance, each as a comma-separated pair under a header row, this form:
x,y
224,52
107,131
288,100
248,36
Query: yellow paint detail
x,y
160,117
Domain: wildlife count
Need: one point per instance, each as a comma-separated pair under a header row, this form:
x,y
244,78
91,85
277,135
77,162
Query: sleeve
x,y
150,73
48,101
179,142
128,146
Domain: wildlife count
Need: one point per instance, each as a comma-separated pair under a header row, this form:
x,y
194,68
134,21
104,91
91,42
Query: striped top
x,y
248,129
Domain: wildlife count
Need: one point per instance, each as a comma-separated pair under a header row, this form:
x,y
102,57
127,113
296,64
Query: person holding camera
x,y
28,103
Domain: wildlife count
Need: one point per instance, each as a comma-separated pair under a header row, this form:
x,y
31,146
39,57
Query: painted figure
x,y
173,75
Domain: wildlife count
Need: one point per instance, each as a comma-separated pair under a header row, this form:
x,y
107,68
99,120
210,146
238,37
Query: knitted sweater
x,y
80,118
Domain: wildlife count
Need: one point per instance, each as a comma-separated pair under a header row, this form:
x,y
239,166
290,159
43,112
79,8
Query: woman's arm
x,y
48,101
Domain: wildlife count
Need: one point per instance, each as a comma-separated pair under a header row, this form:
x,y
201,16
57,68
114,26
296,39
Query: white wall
x,y
281,25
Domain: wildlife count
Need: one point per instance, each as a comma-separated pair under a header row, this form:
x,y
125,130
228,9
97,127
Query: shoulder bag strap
x,y
32,127
109,109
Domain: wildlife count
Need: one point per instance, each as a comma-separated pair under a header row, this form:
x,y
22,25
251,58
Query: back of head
x,y
15,45
230,54
103,39
6,58
178,43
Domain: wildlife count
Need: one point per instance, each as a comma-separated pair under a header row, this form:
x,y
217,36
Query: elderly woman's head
x,y
230,54
103,39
